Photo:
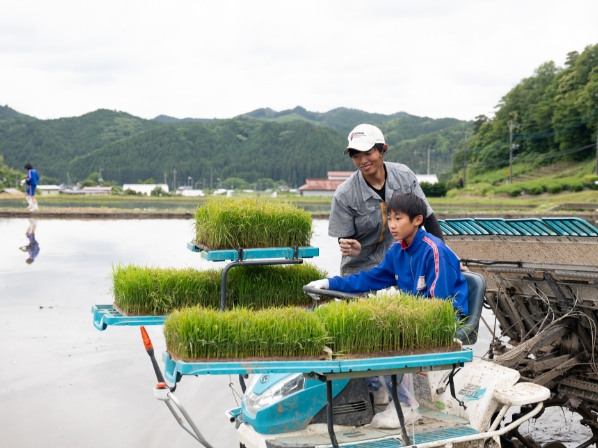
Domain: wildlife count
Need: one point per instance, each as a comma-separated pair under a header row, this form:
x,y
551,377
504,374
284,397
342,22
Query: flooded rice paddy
x,y
63,383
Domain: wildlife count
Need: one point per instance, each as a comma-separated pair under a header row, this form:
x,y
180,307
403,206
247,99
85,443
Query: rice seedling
x,y
225,223
203,333
380,325
390,322
157,291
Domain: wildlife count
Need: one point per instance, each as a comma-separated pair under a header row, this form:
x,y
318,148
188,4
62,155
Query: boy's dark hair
x,y
379,146
28,166
408,203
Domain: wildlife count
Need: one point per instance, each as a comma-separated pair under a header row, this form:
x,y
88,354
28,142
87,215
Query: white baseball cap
x,y
364,137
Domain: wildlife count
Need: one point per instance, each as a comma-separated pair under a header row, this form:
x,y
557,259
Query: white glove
x,y
319,284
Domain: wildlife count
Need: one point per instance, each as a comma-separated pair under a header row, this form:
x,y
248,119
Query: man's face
x,y
368,162
401,227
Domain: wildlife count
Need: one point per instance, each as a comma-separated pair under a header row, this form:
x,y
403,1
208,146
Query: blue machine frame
x,y
105,315
334,369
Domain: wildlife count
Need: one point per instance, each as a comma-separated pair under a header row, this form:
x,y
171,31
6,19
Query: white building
x,y
145,188
47,190
191,193
429,178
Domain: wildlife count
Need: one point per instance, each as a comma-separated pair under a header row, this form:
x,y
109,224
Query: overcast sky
x,y
445,58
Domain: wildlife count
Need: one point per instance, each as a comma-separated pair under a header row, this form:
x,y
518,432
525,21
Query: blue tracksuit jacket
x,y
32,178
426,267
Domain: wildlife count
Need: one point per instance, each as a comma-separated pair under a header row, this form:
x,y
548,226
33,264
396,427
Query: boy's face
x,y
401,227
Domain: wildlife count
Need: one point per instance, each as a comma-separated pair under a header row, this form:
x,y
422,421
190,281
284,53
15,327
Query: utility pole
x,y
211,178
465,164
165,178
429,150
174,180
68,179
511,148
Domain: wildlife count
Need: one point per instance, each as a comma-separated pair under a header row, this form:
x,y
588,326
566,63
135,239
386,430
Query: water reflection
x,y
33,247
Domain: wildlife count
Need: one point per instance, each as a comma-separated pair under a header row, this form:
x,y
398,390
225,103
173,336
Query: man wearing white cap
x,y
358,212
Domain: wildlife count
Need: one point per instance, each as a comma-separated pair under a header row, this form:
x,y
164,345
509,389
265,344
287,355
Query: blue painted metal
x,y
107,315
235,412
466,226
193,248
571,226
446,229
532,227
294,412
442,434
175,369
409,361
497,226
255,254
512,227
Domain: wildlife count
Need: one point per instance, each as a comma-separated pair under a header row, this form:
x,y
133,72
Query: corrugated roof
x,y
321,184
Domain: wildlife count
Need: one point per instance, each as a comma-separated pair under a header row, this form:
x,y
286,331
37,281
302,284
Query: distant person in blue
x,y
32,182
417,263
33,247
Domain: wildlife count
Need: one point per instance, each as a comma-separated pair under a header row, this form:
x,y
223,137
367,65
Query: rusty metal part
x,y
560,370
580,389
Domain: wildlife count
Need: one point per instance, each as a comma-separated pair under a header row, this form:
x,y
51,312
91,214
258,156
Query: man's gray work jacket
x,y
358,212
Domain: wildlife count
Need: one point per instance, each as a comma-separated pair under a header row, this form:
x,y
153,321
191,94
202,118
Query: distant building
x,y
191,192
48,190
324,187
87,191
145,188
429,178
101,191
327,187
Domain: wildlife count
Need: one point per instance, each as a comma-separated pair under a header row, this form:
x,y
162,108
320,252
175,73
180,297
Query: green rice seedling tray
x,y
107,315
338,368
253,254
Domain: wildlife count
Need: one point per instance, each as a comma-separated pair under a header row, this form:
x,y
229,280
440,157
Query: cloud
x,y
221,59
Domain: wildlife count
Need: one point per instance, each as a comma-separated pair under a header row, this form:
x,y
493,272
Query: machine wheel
x,y
554,445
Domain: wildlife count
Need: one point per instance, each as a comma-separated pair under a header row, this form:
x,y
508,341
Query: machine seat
x,y
476,283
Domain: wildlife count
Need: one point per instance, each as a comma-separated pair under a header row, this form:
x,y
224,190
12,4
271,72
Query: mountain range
x,y
289,145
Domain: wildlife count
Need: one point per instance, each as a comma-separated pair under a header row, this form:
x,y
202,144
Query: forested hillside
x,y
51,144
289,145
553,114
247,149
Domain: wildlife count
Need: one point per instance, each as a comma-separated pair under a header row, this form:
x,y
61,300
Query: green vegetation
x,y
387,323
242,333
158,291
225,223
8,176
286,146
554,115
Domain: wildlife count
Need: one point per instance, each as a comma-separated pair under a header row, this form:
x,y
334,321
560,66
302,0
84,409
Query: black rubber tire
x,y
554,445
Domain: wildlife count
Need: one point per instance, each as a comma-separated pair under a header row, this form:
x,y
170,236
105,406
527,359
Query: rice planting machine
x,y
462,401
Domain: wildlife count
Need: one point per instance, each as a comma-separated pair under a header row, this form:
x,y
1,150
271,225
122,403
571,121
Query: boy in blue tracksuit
x,y
417,263
32,182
